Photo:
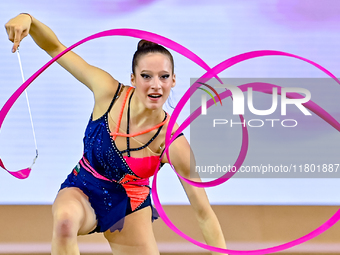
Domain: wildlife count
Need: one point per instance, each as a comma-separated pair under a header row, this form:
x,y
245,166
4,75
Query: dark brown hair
x,y
144,47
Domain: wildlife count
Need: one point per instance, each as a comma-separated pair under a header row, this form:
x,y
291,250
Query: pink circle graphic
x,y
211,72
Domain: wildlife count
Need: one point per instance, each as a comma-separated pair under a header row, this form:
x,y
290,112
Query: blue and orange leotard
x,y
116,185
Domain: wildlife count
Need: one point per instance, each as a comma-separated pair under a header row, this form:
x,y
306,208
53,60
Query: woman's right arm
x,y
98,81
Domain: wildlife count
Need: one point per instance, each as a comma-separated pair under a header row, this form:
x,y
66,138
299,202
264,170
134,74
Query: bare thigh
x,y
136,237
71,204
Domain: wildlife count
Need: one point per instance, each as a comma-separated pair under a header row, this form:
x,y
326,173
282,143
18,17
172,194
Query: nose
x,y
156,83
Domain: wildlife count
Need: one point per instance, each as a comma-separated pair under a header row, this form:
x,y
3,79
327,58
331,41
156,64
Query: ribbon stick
x,y
24,173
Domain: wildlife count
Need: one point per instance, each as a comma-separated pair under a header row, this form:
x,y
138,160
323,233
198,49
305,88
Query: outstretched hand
x,y
18,28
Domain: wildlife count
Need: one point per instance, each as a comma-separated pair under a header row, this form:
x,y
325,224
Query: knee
x,y
65,225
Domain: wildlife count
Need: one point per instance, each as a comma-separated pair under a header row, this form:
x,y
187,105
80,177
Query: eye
x,y
165,76
145,76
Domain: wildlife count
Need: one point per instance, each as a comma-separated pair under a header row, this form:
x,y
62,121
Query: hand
x,y
18,28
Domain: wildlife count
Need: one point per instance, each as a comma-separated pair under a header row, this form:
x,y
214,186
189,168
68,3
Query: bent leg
x,y
136,237
72,216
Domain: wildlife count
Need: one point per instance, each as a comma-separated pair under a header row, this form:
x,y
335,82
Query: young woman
x,y
108,189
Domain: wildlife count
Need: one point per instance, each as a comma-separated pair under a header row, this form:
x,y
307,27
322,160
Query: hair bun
x,y
145,47
143,44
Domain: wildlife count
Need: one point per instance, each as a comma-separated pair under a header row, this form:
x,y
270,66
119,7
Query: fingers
x,y
16,32
17,38
16,35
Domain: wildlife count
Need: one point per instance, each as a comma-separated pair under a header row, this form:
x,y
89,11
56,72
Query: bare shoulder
x,y
104,96
179,149
106,85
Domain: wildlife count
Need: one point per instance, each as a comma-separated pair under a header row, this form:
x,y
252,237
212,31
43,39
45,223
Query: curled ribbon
x,y
24,173
262,87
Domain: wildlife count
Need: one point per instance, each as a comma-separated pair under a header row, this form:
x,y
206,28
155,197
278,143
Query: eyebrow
x,y
151,71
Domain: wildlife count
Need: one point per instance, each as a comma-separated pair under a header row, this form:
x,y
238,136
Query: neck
x,y
141,116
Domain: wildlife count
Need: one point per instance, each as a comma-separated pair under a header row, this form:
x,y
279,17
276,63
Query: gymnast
x,y
107,191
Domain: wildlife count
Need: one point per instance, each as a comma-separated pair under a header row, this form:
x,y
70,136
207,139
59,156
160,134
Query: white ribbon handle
x,y
29,109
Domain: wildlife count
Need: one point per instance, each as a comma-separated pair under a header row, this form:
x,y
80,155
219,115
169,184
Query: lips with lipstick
x,y
154,95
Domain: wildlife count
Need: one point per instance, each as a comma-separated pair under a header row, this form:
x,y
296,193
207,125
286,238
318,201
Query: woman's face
x,y
153,80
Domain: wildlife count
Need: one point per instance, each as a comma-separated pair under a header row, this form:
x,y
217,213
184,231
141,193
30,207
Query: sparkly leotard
x,y
106,177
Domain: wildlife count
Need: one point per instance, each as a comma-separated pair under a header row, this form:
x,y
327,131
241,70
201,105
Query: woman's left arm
x,y
183,160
